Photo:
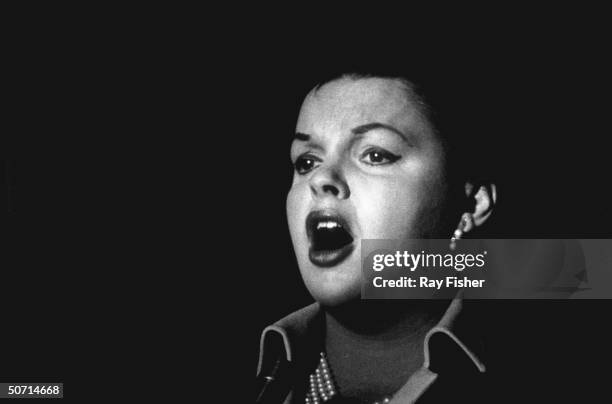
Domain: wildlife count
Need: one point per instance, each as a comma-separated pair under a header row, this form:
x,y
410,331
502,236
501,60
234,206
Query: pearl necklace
x,y
322,387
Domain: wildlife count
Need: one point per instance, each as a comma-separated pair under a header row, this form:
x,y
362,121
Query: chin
x,y
332,292
336,299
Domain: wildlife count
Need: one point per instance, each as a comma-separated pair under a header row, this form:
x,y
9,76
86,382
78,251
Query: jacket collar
x,y
298,330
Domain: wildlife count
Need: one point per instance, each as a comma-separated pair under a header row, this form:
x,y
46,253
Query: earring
x,y
464,224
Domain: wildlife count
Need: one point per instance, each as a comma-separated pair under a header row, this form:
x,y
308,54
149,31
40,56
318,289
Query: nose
x,y
329,181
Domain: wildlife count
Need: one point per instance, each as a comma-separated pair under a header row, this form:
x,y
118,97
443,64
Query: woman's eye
x,y
379,157
304,164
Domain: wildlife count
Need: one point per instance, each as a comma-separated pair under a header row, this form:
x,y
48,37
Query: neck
x,y
374,346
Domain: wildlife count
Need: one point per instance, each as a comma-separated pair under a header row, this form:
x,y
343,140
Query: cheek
x,y
385,211
296,205
396,208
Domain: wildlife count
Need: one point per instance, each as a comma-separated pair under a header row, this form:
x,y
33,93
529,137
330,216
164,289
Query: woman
x,y
370,163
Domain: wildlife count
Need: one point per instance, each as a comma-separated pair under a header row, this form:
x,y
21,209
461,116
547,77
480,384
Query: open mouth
x,y
330,238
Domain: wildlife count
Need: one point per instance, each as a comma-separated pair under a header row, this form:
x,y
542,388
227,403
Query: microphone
x,y
272,384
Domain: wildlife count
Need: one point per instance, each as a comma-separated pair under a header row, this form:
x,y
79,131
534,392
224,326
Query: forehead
x,y
345,103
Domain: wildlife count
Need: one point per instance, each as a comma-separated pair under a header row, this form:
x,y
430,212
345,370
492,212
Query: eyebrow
x,y
302,136
359,130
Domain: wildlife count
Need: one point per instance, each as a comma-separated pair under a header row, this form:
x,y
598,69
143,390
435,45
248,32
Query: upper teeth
x,y
327,225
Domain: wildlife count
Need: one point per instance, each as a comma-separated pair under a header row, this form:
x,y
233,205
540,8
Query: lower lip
x,y
326,259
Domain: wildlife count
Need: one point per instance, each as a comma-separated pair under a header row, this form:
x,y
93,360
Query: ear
x,y
484,197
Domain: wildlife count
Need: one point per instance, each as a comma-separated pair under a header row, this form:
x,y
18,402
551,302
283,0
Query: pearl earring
x,y
466,219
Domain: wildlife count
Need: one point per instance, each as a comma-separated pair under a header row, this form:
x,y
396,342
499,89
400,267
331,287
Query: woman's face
x,y
368,165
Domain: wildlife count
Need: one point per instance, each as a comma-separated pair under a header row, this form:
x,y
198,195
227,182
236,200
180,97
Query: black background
x,y
175,176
